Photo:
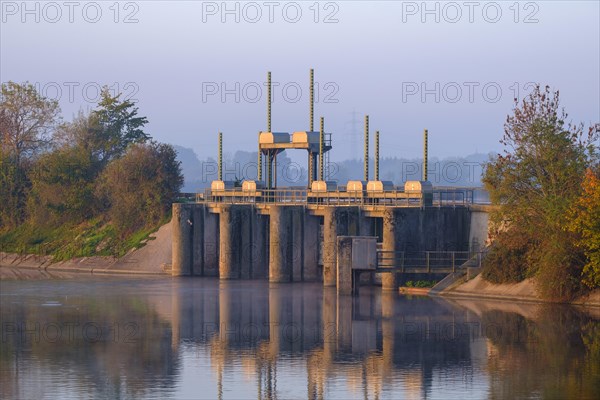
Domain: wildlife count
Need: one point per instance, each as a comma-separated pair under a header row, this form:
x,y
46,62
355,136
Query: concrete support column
x,y
280,269
389,281
330,234
344,265
182,226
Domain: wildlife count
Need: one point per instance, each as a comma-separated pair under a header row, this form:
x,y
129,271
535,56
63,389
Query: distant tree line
x,y
546,186
102,164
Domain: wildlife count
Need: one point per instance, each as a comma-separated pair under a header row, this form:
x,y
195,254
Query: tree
x,y
138,188
27,119
12,190
534,182
62,187
585,220
114,126
26,122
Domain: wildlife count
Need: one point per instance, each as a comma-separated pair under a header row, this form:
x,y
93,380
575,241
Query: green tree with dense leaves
x,y
114,125
139,187
534,183
62,187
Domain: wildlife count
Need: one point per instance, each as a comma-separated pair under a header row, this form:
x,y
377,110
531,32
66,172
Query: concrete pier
x,y
344,265
183,239
280,255
389,281
331,230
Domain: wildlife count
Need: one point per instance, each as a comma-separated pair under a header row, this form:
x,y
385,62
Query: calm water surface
x,y
199,338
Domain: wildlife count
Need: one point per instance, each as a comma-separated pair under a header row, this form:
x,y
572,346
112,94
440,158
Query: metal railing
x,y
427,261
302,196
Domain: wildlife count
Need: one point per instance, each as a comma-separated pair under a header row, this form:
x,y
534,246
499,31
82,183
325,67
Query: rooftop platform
x,y
304,140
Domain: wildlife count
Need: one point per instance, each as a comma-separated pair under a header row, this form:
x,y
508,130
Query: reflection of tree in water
x,y
557,355
112,347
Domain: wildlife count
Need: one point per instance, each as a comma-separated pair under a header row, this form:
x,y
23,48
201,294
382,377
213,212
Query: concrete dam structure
x,y
255,230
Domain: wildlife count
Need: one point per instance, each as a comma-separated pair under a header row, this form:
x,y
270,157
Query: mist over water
x,y
201,338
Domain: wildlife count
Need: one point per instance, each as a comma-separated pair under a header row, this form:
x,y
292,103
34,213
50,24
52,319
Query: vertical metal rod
x,y
321,145
315,160
269,101
312,99
269,169
259,161
366,148
310,169
274,170
220,156
376,155
425,154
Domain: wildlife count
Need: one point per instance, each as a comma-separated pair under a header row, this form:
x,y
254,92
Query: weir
x,y
293,243
255,230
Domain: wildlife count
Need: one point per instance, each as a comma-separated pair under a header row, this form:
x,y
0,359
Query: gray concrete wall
x,y
293,244
211,243
478,230
258,256
198,212
310,247
237,226
430,229
415,230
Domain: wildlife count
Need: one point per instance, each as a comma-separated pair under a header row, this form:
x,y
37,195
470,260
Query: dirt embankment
x,y
152,259
522,291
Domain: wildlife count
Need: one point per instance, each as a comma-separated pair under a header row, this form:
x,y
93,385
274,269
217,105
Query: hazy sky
x,y
451,67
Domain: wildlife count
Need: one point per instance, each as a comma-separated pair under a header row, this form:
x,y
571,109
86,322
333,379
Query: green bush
x,y
420,284
505,265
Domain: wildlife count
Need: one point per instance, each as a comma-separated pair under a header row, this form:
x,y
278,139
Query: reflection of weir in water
x,y
366,340
202,338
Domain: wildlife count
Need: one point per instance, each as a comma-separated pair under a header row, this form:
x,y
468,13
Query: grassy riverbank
x,y
94,237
